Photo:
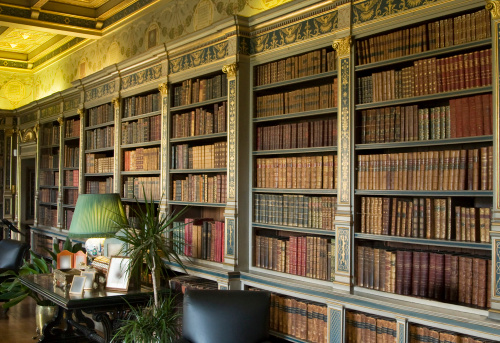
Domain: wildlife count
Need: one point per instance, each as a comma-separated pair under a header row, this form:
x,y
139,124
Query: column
x,y
81,148
494,7
164,150
402,333
336,323
230,213
117,160
344,215
37,175
60,210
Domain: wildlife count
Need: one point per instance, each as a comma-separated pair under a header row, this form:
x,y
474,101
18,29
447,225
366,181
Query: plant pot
x,y
44,315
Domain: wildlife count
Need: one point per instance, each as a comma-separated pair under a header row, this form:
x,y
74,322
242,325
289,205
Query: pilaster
x,y
164,150
336,323
402,330
494,8
344,215
60,212
117,154
37,177
81,162
230,213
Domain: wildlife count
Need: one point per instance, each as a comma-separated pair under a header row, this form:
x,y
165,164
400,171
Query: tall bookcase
x,y
294,154
99,149
141,148
49,174
71,167
198,164
424,159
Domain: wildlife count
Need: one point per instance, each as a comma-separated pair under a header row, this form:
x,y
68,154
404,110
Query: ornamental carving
x,y
343,46
116,103
163,88
60,120
81,113
494,7
230,69
10,132
28,135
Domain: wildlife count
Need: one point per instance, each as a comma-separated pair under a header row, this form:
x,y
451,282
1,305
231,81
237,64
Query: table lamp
x,y
97,217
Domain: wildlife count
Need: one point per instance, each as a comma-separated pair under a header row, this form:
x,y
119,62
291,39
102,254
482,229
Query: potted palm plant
x,y
150,243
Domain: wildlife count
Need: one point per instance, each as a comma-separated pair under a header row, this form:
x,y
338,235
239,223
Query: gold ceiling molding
x,y
83,3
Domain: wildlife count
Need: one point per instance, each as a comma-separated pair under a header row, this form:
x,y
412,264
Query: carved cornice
x,y
163,88
343,46
81,113
494,7
230,69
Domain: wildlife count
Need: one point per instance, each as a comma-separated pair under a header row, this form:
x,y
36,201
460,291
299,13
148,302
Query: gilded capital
x,y
60,120
81,112
116,103
10,132
494,7
343,46
163,87
230,69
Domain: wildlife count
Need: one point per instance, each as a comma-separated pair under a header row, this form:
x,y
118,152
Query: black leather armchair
x,y
12,254
212,316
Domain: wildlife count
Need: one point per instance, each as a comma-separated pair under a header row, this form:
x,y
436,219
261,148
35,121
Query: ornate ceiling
x,y
36,32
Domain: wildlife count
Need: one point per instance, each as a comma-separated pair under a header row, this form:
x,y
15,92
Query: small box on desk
x,y
64,277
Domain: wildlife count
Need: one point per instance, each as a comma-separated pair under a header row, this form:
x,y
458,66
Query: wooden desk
x,y
106,307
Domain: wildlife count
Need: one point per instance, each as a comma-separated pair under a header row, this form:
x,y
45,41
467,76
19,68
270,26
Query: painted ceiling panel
x,y
83,3
22,40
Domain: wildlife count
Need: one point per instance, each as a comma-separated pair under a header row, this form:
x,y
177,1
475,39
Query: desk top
x,y
91,298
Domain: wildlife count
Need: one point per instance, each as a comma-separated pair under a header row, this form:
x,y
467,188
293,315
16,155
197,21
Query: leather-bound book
x,y
407,271
416,263
462,261
432,275
439,285
399,271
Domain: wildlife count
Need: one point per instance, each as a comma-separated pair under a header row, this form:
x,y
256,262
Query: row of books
x,y
425,218
299,100
142,130
200,122
448,277
42,242
72,128
71,177
310,63
141,104
99,163
448,170
100,138
183,282
142,187
70,196
141,159
201,188
308,256
49,178
442,33
48,195
71,156
464,117
199,157
300,318
100,115
193,91
68,217
303,134
295,210
362,327
424,334
50,135
428,76
47,216
48,161
303,172
99,187
200,238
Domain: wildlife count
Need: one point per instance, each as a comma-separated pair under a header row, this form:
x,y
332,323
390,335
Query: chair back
x,y
213,316
12,254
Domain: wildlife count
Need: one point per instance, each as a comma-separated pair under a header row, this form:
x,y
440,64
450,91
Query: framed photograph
x,y
78,284
113,247
89,278
118,273
65,260
80,260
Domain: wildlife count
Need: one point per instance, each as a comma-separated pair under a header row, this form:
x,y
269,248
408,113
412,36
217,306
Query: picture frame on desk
x,y
78,285
89,278
65,260
118,273
79,260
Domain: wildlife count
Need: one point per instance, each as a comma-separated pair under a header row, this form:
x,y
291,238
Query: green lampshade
x,y
97,215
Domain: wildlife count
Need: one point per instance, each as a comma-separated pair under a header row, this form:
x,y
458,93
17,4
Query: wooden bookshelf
x,y
71,167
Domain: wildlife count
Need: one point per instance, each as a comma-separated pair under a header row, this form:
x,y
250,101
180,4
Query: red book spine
x,y
424,274
415,289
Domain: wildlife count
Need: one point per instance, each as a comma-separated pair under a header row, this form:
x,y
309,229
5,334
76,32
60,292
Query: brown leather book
x,y
415,279
439,285
399,271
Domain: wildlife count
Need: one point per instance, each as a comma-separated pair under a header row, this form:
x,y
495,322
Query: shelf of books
x,y
198,146
71,165
49,174
424,162
295,167
140,148
420,334
99,149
